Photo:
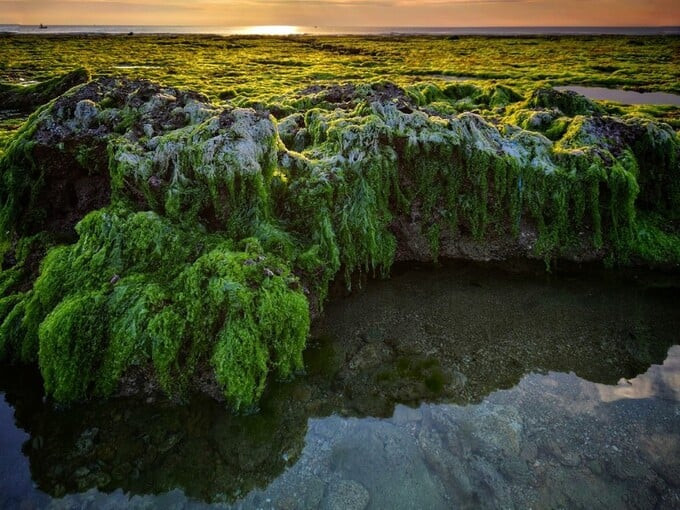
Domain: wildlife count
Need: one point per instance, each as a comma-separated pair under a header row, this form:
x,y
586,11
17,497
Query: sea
x,y
318,30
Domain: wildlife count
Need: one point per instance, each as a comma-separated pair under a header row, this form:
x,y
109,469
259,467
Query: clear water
x,y
465,387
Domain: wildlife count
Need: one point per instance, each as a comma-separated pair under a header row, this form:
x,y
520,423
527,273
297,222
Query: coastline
x,y
338,31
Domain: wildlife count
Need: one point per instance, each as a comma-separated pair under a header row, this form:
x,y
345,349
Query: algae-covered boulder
x,y
26,98
654,148
567,101
137,287
55,170
194,242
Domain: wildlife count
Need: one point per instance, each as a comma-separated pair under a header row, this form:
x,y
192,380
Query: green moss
x,y
28,98
136,289
11,314
548,122
240,362
128,118
21,181
433,234
133,303
557,128
220,227
503,95
217,170
657,153
72,337
167,331
462,96
655,241
566,101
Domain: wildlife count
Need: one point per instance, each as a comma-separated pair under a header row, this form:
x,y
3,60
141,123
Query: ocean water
x,y
318,30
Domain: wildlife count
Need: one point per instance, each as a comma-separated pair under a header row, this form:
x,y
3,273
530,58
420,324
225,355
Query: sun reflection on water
x,y
272,30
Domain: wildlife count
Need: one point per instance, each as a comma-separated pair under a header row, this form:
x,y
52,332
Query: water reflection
x,y
355,433
661,382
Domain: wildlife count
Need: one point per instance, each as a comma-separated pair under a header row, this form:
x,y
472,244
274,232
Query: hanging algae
x,y
220,229
135,287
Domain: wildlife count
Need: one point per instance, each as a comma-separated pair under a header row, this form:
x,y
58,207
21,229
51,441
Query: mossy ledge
x,y
145,231
26,98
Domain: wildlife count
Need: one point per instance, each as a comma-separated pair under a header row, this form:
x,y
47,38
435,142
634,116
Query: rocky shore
x,y
148,235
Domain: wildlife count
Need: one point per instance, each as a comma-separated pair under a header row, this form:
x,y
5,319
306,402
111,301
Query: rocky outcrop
x,y
199,238
566,101
26,98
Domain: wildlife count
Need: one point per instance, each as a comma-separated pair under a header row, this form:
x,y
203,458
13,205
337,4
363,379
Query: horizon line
x,y
338,26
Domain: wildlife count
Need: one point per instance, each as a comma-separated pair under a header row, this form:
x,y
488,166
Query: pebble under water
x,y
465,386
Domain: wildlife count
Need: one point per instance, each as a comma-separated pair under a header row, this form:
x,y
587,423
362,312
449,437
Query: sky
x,y
336,13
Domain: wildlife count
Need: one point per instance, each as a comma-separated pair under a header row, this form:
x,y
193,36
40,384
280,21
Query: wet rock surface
x,y
346,494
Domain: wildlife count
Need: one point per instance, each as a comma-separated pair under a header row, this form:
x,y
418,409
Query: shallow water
x,y
469,386
625,96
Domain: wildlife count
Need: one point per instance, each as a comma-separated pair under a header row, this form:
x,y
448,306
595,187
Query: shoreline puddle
x,y
464,387
629,97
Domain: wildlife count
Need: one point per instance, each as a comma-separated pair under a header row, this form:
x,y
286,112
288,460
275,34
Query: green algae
x,y
206,169
133,290
20,177
567,102
249,68
28,98
225,226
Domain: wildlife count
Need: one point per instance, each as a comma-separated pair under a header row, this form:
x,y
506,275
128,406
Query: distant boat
x,y
42,26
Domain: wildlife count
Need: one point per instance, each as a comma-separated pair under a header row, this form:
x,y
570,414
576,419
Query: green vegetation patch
x,y
136,289
218,228
27,98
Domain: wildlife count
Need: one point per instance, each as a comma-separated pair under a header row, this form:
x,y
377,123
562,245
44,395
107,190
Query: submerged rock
x,y
394,473
199,239
346,494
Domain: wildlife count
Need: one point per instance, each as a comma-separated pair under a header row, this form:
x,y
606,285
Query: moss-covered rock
x,y
27,98
203,237
549,122
566,101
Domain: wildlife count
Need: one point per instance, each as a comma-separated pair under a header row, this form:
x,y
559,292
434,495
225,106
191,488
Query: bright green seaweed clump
x,y
219,229
137,289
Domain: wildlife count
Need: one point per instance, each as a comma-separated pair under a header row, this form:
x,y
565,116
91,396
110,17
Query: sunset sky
x,y
455,13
